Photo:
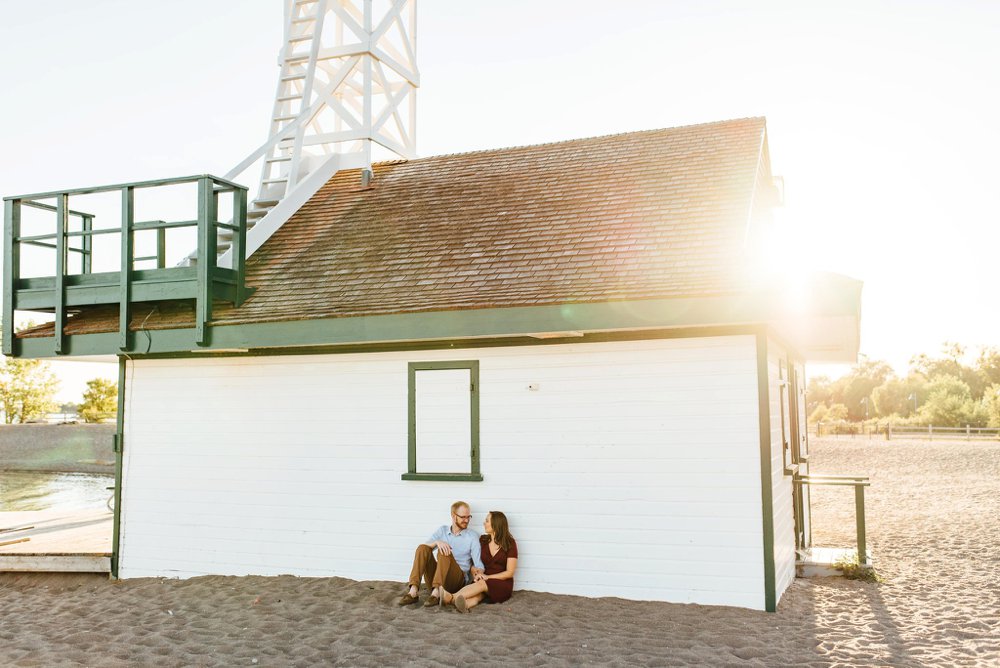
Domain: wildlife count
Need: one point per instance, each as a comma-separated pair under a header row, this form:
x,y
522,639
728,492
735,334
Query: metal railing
x,y
858,483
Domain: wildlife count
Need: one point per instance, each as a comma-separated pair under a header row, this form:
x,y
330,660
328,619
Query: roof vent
x,y
366,178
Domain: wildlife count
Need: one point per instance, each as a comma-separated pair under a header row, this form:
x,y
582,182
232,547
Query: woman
x,y
496,582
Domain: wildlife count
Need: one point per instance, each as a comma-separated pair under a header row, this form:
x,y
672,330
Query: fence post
x,y
888,433
859,510
968,433
930,432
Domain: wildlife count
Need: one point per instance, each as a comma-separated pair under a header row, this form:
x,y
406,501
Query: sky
x,y
881,116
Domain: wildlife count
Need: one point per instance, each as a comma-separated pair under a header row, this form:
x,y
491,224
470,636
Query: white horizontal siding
x,y
632,470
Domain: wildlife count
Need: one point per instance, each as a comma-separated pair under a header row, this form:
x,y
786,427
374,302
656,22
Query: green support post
x,y
240,242
161,248
207,257
62,221
12,264
128,235
119,455
859,509
88,245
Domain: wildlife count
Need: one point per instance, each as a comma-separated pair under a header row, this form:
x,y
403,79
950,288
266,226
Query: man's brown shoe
x,y
433,601
407,599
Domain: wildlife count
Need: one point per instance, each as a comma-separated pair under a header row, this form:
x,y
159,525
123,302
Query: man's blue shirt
x,y
464,547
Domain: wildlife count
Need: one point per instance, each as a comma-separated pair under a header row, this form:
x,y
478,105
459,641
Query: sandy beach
x,y
934,528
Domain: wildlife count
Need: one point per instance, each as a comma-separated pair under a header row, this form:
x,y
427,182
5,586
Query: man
x,y
458,561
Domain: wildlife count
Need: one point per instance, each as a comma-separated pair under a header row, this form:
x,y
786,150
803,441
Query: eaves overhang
x,y
455,326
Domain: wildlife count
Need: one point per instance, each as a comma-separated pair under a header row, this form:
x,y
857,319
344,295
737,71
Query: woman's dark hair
x,y
501,532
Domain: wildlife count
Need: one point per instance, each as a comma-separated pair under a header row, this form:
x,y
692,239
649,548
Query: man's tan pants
x,y
436,572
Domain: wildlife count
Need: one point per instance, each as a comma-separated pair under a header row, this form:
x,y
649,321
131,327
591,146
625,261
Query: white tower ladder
x,y
346,91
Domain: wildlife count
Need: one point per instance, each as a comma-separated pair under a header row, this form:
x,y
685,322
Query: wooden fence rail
x,y
967,433
889,431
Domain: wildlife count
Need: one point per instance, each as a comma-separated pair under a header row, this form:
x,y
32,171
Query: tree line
x,y
28,389
941,390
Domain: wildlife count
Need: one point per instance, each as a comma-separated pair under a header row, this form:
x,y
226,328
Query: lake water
x,y
30,490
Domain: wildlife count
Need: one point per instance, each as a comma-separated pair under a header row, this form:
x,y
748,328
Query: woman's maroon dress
x,y
498,590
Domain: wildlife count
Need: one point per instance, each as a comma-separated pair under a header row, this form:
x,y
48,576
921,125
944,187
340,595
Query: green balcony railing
x,y
61,291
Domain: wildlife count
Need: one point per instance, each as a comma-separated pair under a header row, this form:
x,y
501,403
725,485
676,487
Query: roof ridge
x,y
397,161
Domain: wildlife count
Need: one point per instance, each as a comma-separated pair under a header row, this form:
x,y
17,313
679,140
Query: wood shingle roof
x,y
644,215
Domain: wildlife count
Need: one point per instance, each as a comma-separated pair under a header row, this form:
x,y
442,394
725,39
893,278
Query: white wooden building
x,y
628,468
583,335
597,360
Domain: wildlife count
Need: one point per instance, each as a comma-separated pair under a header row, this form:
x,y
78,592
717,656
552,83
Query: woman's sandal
x,y
460,603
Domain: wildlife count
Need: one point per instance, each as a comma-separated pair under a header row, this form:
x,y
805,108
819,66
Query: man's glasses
x,y
464,517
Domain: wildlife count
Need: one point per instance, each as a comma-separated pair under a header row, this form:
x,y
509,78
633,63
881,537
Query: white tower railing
x,y
346,91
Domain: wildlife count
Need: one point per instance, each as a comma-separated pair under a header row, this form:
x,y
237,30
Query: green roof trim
x,y
430,326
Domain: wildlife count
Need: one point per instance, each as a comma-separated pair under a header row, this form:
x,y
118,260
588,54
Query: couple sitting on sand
x,y
469,567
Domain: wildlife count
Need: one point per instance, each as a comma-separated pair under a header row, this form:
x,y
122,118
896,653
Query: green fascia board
x,y
431,326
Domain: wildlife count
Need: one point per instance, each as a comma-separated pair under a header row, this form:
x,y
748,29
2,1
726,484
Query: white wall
x,y
781,483
632,471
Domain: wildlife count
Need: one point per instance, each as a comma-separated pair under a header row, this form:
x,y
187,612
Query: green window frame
x,y
412,472
784,385
800,423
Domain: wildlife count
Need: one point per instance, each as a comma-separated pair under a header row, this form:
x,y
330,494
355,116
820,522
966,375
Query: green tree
x,y
817,394
100,400
856,388
949,364
991,405
988,366
900,396
950,404
27,389
836,412
818,414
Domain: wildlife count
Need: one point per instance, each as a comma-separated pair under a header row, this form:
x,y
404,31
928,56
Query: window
x,y
801,418
786,442
443,421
